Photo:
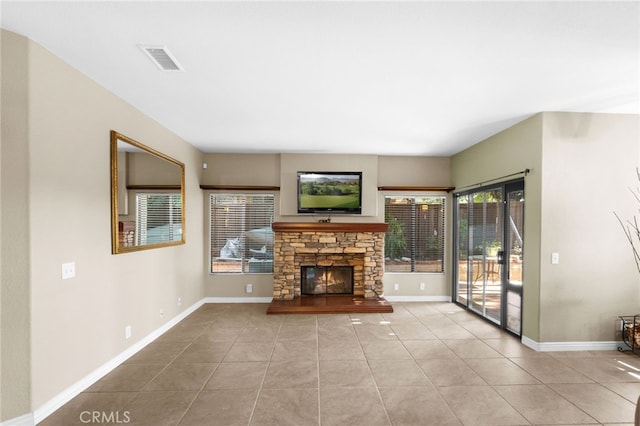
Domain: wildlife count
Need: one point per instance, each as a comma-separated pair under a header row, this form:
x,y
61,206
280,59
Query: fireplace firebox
x,y
316,280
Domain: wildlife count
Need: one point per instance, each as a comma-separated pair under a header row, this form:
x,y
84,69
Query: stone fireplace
x,y
298,246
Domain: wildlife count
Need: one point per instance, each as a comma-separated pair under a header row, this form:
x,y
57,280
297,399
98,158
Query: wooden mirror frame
x,y
117,245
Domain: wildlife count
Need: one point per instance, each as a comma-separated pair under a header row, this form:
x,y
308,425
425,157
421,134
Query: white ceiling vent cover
x,y
161,56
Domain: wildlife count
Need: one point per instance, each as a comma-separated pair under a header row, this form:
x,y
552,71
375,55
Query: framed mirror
x,y
147,197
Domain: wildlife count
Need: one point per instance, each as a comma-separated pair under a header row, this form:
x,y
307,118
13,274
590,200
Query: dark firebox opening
x,y
326,280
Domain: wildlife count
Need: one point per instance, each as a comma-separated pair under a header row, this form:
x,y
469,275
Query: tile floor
x,y
424,364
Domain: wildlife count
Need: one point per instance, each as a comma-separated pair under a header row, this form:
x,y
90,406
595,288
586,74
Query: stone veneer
x,y
360,245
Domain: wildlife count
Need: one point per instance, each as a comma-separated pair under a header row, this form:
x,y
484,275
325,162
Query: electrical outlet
x,y
396,286
68,270
421,286
555,258
249,288
161,312
127,332
179,301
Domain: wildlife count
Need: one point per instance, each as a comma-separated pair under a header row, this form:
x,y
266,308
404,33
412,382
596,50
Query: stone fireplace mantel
x,y
297,244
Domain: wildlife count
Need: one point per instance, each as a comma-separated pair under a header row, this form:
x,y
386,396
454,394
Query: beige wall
x,y
589,164
581,166
77,325
280,170
15,322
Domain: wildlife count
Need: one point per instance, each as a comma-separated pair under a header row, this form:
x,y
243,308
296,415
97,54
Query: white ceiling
x,y
388,78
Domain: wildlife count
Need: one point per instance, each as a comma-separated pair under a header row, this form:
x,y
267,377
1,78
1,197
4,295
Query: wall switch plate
x,y
249,288
396,286
127,332
68,270
421,286
555,258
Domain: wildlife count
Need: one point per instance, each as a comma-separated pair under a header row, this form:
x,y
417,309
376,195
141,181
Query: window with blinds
x,y
158,217
414,241
241,234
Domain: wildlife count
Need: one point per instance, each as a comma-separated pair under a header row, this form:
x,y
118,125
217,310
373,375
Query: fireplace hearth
x,y
317,280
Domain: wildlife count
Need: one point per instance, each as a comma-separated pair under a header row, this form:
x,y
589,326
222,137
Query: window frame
x,y
244,265
442,237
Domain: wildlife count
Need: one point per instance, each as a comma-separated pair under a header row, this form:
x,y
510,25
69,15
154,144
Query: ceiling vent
x,y
163,59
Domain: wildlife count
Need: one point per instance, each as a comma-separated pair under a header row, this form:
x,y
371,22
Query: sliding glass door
x,y
488,253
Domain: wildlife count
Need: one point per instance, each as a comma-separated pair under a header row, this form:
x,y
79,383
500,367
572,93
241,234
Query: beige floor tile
x,y
425,363
249,351
298,333
295,350
384,349
511,347
480,405
333,333
291,374
541,405
203,350
392,373
158,353
449,372
345,373
127,378
630,391
257,335
237,375
597,401
370,319
333,320
337,349
163,408
352,407
453,331
471,348
374,332
417,406
182,332
500,371
286,407
79,410
550,370
413,331
229,407
182,377
601,369
299,319
428,349
216,333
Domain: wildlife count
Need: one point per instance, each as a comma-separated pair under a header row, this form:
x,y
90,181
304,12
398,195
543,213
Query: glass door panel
x,y
513,258
463,271
488,254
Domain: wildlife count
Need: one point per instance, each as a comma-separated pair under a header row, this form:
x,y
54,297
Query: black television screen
x,y
330,192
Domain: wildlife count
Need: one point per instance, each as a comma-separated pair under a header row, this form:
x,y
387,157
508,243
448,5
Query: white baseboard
x,y
237,299
418,298
570,346
26,420
74,390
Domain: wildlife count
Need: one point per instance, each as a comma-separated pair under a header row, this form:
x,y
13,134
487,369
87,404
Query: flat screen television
x,y
330,192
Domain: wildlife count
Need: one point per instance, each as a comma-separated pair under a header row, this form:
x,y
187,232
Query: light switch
x,y
68,270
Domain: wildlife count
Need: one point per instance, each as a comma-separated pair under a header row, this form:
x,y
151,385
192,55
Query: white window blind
x,y
241,234
414,241
158,217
